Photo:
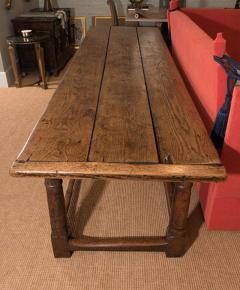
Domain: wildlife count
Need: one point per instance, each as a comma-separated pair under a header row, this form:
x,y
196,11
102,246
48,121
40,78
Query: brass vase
x,y
47,6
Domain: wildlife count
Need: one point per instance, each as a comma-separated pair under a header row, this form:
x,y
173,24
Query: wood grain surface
x,y
121,111
123,130
179,129
64,132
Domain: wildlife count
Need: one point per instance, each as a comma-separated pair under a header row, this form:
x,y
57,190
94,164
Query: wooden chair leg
x,y
176,233
58,219
41,63
17,76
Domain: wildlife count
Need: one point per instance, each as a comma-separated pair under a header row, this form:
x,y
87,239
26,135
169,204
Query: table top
x,y
121,111
153,14
36,37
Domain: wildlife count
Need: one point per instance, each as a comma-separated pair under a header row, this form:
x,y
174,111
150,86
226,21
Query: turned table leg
x,y
58,219
176,233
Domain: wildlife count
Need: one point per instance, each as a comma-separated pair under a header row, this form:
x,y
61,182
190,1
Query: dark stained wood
x,y
179,129
166,172
176,233
64,131
119,244
58,220
123,130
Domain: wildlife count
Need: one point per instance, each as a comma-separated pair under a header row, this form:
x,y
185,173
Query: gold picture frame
x,y
78,30
8,4
106,20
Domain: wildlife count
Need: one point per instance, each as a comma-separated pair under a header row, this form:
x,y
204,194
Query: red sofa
x,y
197,35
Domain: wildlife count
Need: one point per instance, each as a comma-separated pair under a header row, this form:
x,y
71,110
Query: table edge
x,y
77,170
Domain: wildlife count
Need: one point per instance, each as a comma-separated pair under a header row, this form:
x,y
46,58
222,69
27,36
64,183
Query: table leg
x,y
12,54
176,233
41,63
58,218
169,190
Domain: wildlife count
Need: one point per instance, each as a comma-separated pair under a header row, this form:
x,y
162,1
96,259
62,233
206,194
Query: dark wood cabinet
x,y
58,49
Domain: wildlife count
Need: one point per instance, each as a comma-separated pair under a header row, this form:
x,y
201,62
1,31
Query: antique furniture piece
x,y
195,40
58,46
113,11
35,41
47,7
152,15
122,111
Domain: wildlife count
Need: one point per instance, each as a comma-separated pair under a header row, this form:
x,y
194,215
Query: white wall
x,y
18,6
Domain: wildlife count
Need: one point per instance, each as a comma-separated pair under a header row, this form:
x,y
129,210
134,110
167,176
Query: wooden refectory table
x,y
122,111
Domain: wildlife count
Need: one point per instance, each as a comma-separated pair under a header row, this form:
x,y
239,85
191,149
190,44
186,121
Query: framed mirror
x,y
8,4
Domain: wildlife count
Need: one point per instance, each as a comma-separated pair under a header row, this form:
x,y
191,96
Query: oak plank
x,y
179,130
76,170
123,130
64,131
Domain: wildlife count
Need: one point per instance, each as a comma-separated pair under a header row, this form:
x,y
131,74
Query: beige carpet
x,y
104,208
